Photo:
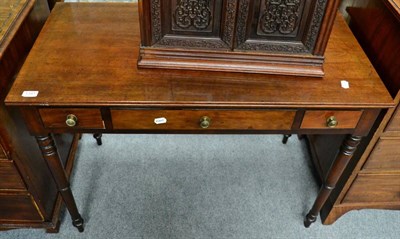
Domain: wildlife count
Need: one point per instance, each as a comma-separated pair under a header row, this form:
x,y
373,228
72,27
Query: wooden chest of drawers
x,y
27,197
374,179
257,36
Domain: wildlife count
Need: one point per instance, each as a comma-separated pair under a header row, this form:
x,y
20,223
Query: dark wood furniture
x,y
373,180
27,197
90,83
257,36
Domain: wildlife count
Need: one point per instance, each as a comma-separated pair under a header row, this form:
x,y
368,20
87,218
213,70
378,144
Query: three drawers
x,y
203,119
193,119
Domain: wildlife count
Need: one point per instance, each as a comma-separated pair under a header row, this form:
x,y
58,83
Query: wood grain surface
x,y
74,63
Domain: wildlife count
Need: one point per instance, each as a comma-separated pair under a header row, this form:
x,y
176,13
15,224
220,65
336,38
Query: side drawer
x,y
385,155
373,188
316,119
18,207
394,123
9,176
85,118
192,119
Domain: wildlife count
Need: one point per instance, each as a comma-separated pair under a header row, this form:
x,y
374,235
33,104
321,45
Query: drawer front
x,y
85,118
319,119
385,155
18,207
9,176
191,119
394,123
373,188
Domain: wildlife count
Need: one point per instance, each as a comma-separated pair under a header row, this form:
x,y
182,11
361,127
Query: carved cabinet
x,y
257,36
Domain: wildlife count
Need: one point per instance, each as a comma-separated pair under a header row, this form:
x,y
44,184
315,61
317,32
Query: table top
x,y
86,55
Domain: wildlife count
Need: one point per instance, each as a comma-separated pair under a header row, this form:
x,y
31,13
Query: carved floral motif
x,y
193,13
280,16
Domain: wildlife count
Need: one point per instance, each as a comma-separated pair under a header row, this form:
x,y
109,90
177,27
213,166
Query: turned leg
x,y
286,138
98,136
347,150
52,158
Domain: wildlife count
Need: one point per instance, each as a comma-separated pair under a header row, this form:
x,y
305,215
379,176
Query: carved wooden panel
x,y
280,26
192,23
280,17
192,15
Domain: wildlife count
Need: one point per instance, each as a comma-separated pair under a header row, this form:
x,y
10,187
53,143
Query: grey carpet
x,y
202,186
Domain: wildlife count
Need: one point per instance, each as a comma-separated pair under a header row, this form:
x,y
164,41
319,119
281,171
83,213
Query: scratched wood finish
x,y
190,119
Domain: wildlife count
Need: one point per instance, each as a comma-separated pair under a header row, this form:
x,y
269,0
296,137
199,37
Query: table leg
x,y
52,158
347,150
98,136
286,138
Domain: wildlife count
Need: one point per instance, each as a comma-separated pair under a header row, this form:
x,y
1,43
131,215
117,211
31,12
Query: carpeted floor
x,y
202,186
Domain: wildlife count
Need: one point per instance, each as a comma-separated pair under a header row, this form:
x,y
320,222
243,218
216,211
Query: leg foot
x,y
309,219
98,136
286,138
78,223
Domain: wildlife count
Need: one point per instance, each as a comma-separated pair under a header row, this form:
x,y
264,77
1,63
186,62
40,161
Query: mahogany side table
x,y
81,77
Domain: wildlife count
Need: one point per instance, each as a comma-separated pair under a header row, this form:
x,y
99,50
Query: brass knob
x,y
72,120
331,122
205,122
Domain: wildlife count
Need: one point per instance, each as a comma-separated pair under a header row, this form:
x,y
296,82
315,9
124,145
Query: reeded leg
x,y
52,158
286,138
98,136
347,150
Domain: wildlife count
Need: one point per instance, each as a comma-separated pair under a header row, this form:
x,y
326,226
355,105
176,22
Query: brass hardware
x,y
205,122
72,120
331,122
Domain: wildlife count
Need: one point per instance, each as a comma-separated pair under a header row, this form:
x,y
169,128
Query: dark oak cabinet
x,y
256,36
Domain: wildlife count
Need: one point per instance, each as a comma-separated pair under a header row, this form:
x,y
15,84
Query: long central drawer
x,y
203,119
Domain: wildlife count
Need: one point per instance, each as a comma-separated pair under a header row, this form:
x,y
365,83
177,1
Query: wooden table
x,y
83,67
